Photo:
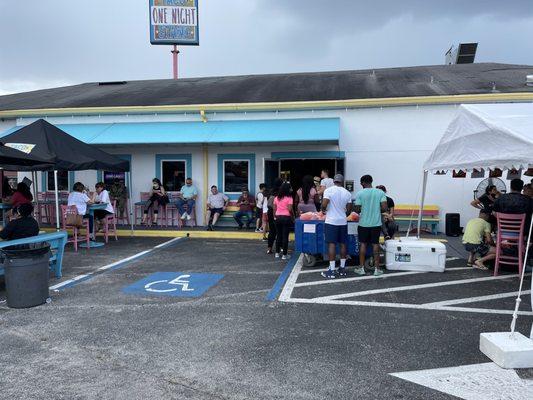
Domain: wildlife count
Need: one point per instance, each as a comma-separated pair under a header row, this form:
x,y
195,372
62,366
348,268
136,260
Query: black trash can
x,y
26,274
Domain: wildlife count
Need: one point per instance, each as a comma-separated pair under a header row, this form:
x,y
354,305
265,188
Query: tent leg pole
x,y
57,199
422,199
37,210
130,210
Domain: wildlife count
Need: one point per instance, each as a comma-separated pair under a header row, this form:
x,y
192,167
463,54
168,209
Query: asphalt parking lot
x,y
212,319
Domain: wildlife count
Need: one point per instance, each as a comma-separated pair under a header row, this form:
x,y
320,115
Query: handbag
x,y
164,200
74,220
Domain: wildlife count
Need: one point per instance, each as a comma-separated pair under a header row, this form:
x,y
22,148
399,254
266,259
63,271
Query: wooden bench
x,y
407,214
226,219
57,241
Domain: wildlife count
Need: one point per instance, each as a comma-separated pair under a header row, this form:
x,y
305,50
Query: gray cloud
x,y
57,42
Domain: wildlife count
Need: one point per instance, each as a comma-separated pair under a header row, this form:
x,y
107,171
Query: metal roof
x,y
438,80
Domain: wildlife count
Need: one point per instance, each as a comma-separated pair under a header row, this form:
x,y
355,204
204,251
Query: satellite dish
x,y
480,190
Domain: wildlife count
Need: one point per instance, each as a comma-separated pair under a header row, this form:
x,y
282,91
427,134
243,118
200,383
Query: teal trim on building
x,y
280,155
220,171
242,131
173,157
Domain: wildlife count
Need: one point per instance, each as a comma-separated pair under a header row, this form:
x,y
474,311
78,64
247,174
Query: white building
x,y
244,130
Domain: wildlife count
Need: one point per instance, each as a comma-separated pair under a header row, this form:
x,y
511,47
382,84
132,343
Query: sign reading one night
x,y
174,22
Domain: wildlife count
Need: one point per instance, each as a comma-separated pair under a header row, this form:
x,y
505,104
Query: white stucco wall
x,y
389,143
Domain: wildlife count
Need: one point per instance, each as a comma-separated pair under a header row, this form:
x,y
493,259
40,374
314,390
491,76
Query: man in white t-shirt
x,y
216,205
336,203
326,182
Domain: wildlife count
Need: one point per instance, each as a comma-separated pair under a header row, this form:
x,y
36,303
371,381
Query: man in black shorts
x,y
216,205
369,203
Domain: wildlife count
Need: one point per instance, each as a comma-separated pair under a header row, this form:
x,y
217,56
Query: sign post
x,y
174,22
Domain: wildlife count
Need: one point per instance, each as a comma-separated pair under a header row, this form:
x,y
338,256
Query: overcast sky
x,y
61,42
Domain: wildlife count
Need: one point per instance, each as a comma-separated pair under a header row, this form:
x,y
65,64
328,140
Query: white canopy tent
x,y
485,136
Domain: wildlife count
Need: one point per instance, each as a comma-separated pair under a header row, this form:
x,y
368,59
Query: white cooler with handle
x,y
413,254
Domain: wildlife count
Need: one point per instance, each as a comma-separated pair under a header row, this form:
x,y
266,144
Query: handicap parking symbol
x,y
176,284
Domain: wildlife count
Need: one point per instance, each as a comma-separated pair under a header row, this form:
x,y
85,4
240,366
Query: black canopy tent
x,y
60,152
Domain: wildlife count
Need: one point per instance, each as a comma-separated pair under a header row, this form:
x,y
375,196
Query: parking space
x,y
136,330
460,288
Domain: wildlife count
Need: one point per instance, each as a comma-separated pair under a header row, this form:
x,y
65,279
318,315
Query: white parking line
x,y
403,305
291,280
367,277
310,271
476,299
415,287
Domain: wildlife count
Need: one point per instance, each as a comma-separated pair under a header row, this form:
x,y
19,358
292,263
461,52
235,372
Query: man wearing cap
x,y
336,202
369,203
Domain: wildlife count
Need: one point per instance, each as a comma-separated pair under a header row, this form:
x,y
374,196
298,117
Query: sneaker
x,y
329,274
342,271
276,255
378,271
184,215
285,257
269,251
188,217
264,239
258,231
359,271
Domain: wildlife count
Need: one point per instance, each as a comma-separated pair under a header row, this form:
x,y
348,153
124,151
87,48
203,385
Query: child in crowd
x,y
477,239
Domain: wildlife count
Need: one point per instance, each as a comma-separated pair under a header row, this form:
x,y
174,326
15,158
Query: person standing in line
x,y
388,226
486,201
306,196
326,181
216,205
272,232
264,216
370,203
336,203
318,203
259,199
284,216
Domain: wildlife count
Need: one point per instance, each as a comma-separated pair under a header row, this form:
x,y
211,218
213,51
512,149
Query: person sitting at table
x,y
158,197
79,199
102,196
22,226
188,194
21,196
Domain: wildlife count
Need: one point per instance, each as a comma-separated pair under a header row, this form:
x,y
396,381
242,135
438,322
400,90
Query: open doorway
x,y
293,170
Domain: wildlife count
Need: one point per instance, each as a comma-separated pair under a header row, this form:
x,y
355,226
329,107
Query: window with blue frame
x,y
173,174
236,175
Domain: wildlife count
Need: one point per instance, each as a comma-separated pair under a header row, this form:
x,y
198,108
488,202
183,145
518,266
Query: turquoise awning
x,y
250,131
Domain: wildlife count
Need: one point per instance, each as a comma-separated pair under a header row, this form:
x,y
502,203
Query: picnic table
x,y
91,209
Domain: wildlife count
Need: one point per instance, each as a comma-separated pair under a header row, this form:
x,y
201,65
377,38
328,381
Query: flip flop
x,y
481,267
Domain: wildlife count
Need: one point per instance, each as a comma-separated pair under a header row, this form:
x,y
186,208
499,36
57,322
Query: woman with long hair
x,y
284,216
305,196
270,214
158,197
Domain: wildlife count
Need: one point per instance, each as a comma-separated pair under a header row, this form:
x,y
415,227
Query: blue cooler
x,y
309,238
